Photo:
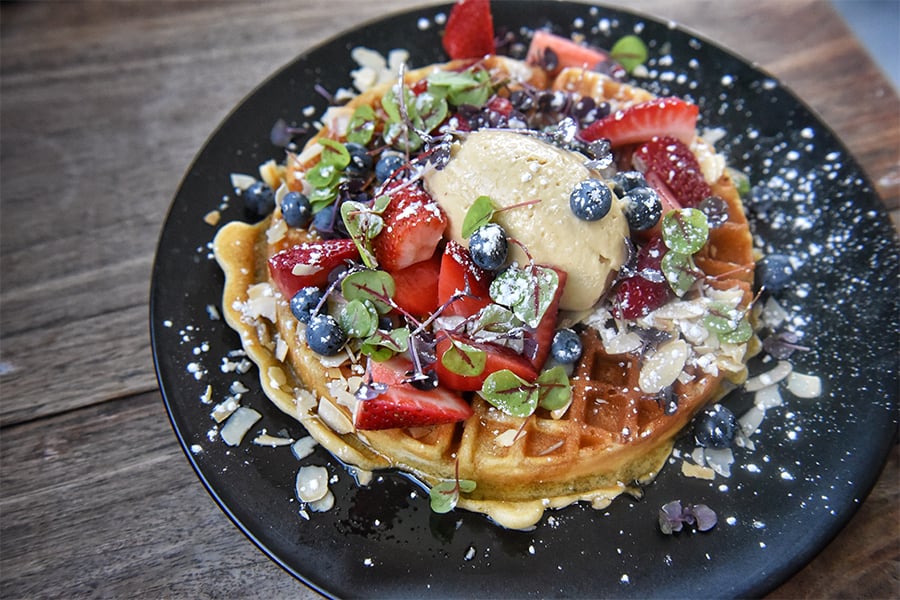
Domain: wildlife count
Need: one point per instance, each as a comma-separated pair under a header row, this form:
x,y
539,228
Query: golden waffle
x,y
611,436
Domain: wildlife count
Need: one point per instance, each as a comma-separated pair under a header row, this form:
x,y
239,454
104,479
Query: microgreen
x,y
358,318
334,153
730,324
472,86
629,51
364,223
685,230
444,495
554,390
510,393
464,359
375,286
673,516
781,345
527,292
518,398
680,271
480,213
382,345
362,125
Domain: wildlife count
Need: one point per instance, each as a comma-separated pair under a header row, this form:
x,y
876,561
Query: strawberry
x,y
539,339
636,295
416,286
457,268
565,52
497,358
658,117
309,264
413,226
470,30
402,405
670,162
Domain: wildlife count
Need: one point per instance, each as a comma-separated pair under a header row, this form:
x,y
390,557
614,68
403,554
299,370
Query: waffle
x,y
611,437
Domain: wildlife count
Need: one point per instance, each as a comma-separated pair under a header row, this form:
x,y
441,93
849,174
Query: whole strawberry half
x,y
647,289
413,226
309,264
658,117
669,161
402,405
470,30
497,358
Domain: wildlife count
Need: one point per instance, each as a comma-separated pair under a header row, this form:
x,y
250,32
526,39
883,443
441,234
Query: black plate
x,y
815,460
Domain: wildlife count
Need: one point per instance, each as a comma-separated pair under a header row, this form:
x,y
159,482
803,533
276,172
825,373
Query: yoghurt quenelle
x,y
534,180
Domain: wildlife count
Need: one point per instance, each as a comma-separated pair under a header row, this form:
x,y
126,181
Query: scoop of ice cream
x,y
512,168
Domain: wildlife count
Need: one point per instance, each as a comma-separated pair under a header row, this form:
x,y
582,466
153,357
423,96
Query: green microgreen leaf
x,y
382,345
721,317
362,125
680,271
496,319
363,224
629,51
375,286
358,319
741,333
480,213
685,230
444,495
527,292
431,111
464,359
334,154
472,86
510,393
324,176
554,389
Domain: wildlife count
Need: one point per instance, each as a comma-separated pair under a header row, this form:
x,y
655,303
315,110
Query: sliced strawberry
x,y
470,30
639,123
413,226
565,52
457,269
309,264
416,286
539,339
636,296
403,405
497,359
671,162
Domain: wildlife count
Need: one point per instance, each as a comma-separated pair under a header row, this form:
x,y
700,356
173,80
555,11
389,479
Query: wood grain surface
x,y
104,105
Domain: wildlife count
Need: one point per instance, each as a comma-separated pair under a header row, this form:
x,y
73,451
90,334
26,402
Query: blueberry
x,y
324,336
296,209
625,181
590,200
566,346
324,219
360,160
305,302
259,199
388,164
425,381
488,247
716,211
715,427
642,208
775,272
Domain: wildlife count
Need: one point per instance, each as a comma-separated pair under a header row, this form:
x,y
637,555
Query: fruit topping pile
x,y
438,318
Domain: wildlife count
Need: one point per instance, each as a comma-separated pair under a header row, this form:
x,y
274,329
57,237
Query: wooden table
x,y
103,106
